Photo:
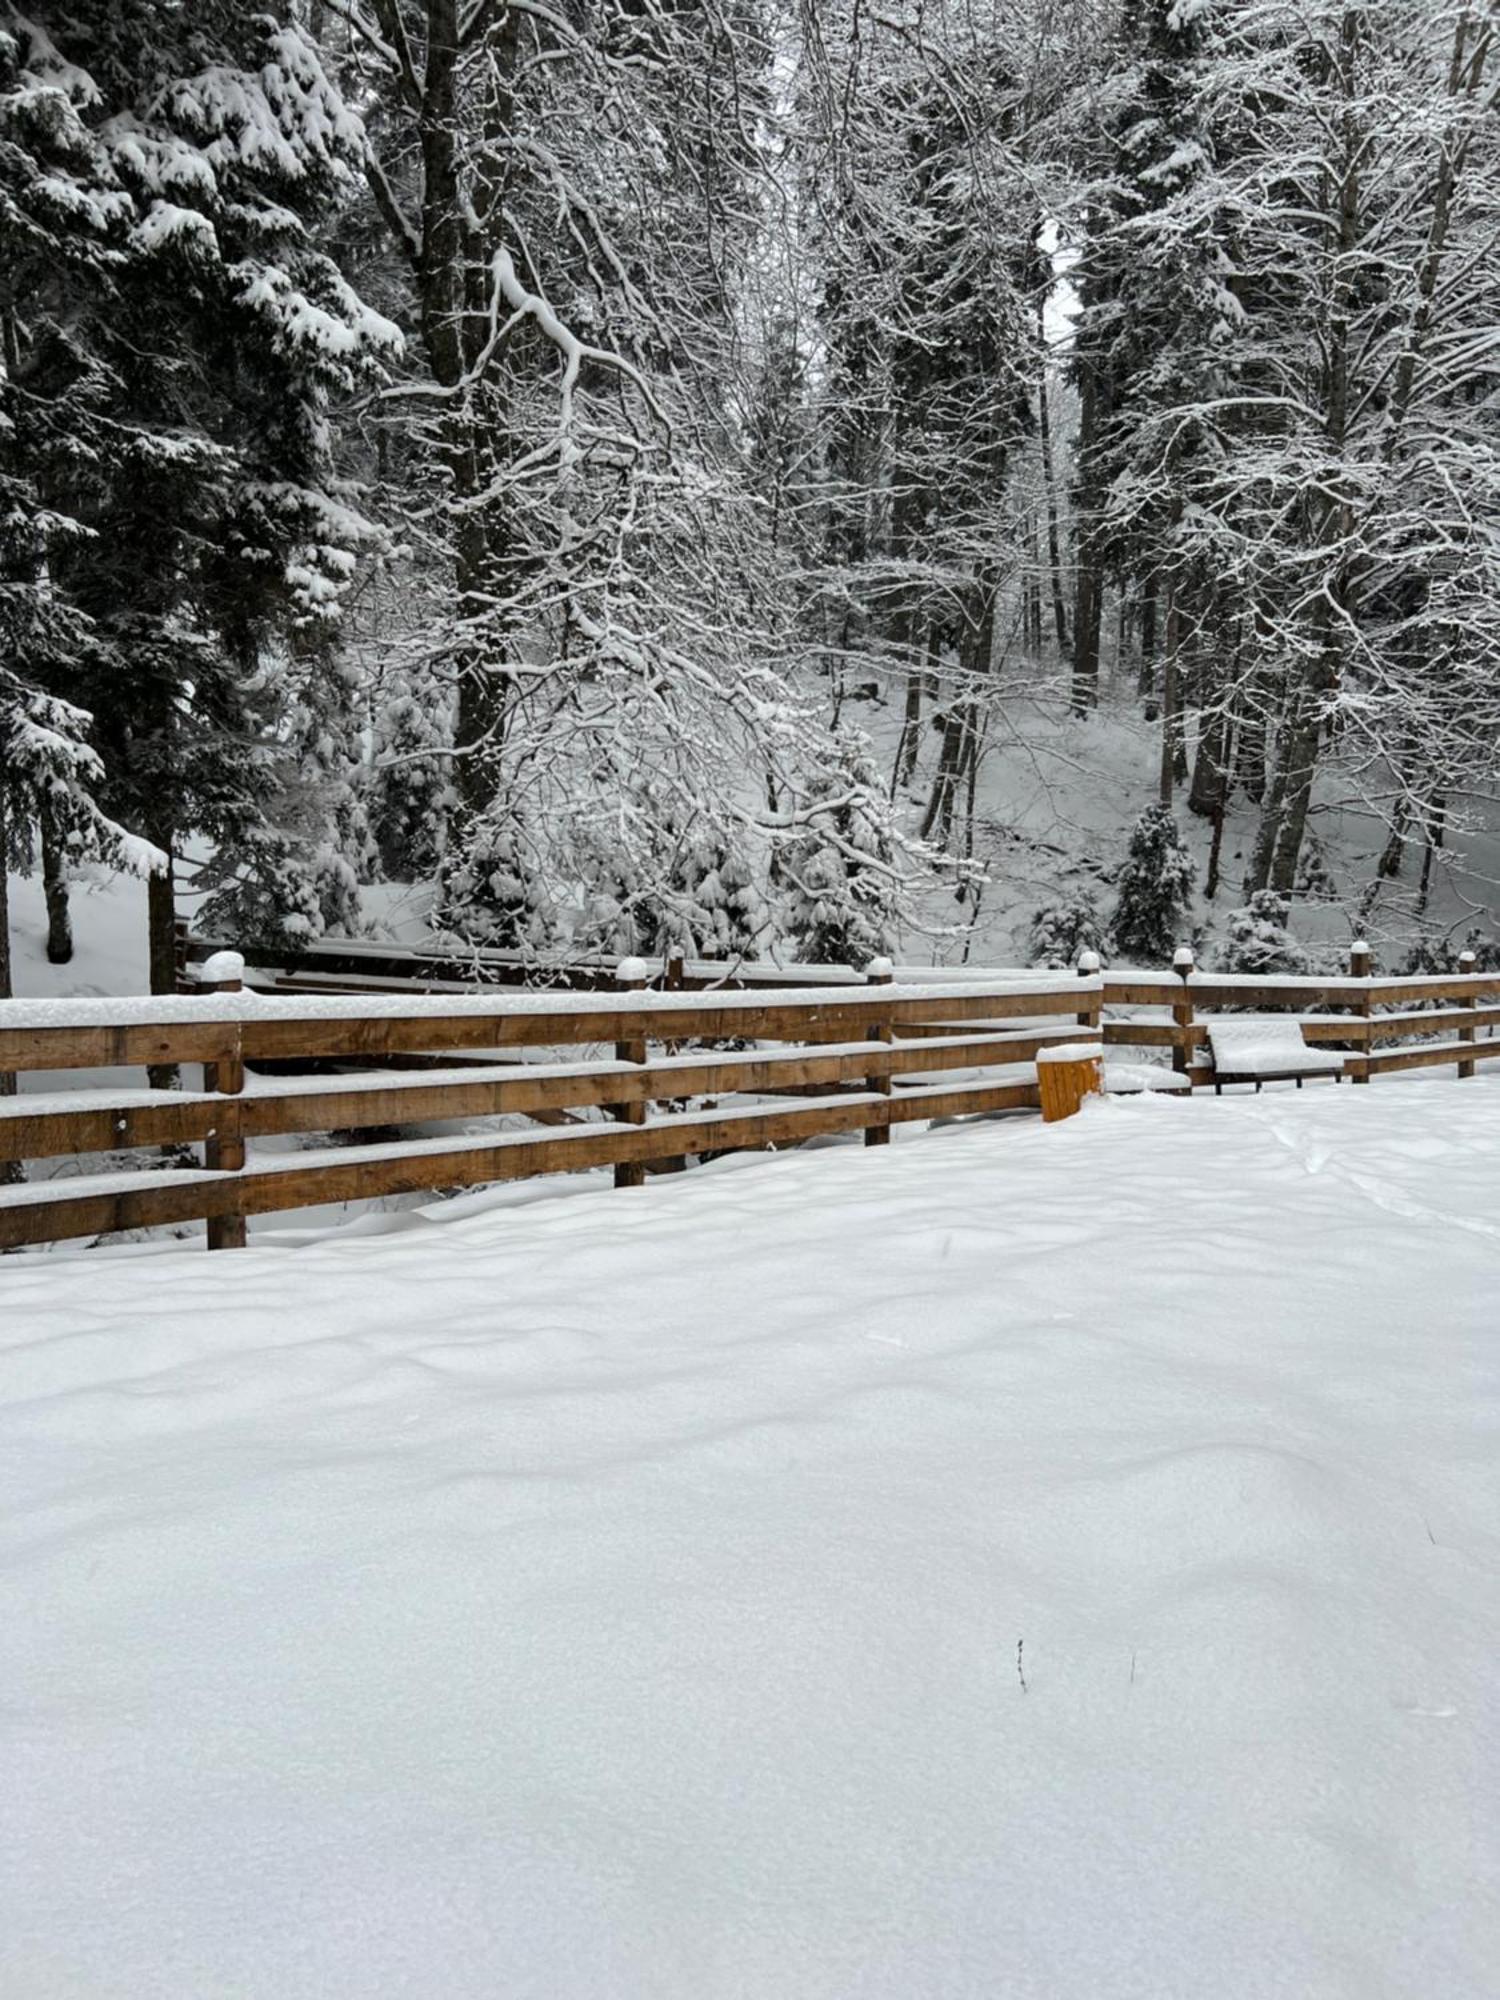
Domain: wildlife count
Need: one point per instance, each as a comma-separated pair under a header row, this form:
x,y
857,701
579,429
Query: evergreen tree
x,y
1258,938
174,335
844,886
1154,891
1062,931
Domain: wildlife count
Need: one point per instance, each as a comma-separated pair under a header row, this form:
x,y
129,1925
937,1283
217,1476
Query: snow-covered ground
x,y
1024,1561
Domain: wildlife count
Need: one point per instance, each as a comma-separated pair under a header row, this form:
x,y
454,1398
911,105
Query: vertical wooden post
x,y
1093,1014
1466,964
630,975
880,972
1361,966
181,938
224,1150
1182,1010
673,979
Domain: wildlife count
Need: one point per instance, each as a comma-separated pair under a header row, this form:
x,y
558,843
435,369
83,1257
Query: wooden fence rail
x,y
627,1093
629,1078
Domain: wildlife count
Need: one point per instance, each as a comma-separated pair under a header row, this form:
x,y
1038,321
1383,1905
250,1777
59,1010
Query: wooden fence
x,y
1435,1021
859,1058
626,1078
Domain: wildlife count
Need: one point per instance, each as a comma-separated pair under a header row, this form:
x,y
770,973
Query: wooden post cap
x,y
631,972
1088,964
880,972
1467,960
1183,961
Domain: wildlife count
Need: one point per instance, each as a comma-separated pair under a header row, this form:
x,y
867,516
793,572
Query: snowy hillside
x,y
1051,1563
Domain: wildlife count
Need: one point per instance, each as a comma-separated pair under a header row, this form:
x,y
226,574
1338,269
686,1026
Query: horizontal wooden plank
x,y
956,1100
336,1103
132,1046
847,1017
1399,992
1432,1054
91,1209
362,1173
177,1119
1433,1021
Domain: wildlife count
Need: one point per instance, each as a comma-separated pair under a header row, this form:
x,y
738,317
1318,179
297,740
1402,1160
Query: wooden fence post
x,y
181,937
880,972
1182,1009
1466,963
1361,966
1093,1015
224,1149
630,974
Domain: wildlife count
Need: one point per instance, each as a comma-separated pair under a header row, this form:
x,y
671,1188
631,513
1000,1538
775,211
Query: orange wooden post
x,y
631,976
224,1149
880,972
1182,1010
1065,1077
1361,966
1466,963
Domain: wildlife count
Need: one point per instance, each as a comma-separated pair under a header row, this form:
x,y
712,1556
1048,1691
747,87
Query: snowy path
x,y
620,1595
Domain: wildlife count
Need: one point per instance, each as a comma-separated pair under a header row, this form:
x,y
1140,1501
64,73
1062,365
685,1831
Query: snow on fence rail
x,y
860,1058
1355,1014
848,1054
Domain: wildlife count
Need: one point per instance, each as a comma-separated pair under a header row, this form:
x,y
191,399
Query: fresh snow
x,y
169,1009
1019,1563
1266,1047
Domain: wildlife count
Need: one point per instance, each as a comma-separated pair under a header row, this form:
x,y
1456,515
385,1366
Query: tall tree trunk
x,y
1171,697
1049,481
55,890
1208,764
1145,683
161,943
1088,592
10,1170
1216,845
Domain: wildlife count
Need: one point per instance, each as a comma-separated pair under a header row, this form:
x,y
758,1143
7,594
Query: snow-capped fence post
x,y
1182,1010
1088,968
224,1149
1361,966
630,975
880,972
1466,964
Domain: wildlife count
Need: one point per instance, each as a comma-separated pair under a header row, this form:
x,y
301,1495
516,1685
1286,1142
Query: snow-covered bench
x,y
1268,1051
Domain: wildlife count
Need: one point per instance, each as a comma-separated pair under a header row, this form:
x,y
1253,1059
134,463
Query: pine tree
x,y
1258,938
1061,932
844,885
175,334
1154,891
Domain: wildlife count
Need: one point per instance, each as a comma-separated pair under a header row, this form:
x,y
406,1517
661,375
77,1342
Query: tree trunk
x,y
1088,594
1054,540
55,890
10,1170
1171,698
1145,683
1216,845
161,944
